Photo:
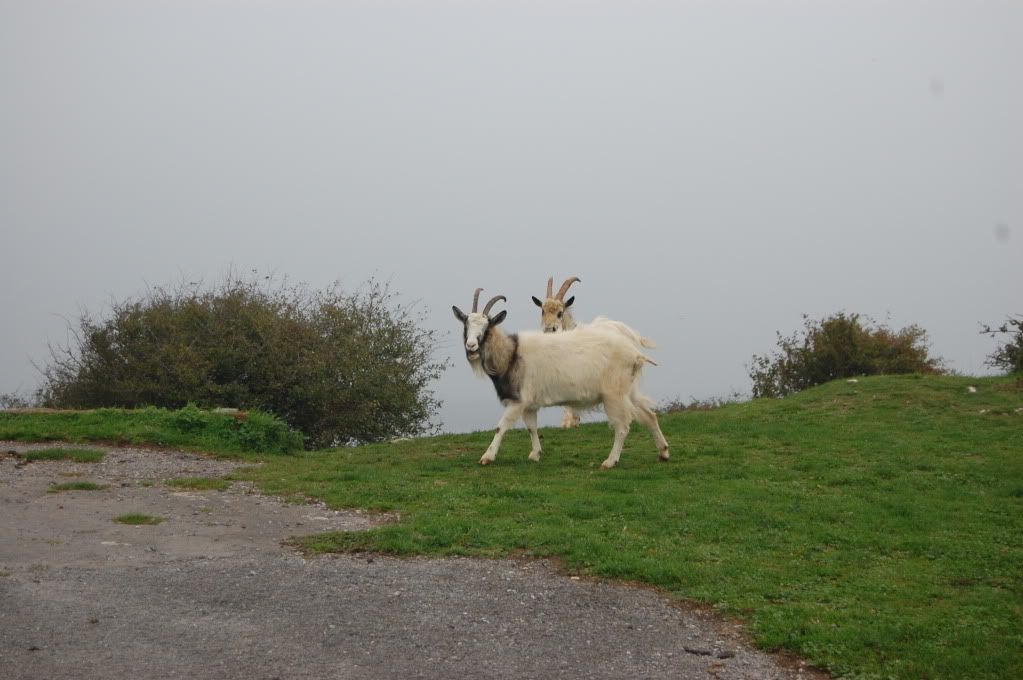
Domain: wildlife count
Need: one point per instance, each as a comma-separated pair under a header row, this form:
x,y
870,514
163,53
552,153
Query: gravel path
x,y
212,593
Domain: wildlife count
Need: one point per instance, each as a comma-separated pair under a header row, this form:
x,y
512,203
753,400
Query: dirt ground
x,y
211,592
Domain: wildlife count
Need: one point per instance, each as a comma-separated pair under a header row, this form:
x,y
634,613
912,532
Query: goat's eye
x,y
559,314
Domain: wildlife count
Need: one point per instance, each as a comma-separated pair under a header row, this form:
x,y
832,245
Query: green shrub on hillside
x,y
840,346
1009,356
338,366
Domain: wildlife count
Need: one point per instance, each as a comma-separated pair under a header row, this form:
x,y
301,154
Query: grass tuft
x,y
76,486
138,519
200,483
76,455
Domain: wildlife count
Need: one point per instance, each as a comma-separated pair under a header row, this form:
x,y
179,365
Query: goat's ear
x,y
569,302
459,314
499,317
537,302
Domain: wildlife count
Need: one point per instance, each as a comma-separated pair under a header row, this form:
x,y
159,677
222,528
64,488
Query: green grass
x,y
874,528
200,483
76,486
76,455
186,428
136,519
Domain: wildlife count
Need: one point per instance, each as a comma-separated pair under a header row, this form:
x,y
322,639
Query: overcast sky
x,y
711,170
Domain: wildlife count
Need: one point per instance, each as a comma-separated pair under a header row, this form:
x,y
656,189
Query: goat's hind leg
x,y
511,415
570,418
648,417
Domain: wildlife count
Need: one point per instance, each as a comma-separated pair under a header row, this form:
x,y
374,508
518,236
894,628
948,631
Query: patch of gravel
x,y
212,593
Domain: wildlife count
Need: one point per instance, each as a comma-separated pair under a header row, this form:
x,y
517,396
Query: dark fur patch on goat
x,y
503,382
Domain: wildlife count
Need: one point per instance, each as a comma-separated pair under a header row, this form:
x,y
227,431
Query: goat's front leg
x,y
529,418
619,420
621,431
511,415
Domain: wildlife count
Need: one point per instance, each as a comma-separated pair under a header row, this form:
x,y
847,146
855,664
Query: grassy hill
x,y
875,527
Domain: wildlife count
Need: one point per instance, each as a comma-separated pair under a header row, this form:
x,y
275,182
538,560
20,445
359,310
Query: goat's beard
x,y
476,362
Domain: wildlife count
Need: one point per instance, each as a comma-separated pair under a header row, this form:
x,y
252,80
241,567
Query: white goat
x,y
556,315
597,363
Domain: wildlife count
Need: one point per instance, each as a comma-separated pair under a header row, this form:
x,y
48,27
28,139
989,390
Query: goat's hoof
x,y
534,456
486,461
664,455
607,465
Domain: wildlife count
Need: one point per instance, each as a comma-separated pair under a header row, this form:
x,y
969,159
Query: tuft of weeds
x,y
138,519
61,453
680,405
76,486
200,483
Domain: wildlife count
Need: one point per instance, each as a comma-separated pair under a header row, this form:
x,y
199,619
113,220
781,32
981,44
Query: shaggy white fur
x,y
556,316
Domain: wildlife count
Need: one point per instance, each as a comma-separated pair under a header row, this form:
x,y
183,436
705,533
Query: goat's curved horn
x,y
493,301
550,287
476,299
565,286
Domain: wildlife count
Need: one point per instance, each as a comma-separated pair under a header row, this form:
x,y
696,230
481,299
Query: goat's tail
x,y
639,362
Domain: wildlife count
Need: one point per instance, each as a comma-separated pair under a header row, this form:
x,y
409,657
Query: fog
x,y
711,170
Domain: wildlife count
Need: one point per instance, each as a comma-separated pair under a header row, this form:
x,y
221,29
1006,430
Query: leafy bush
x,y
840,346
1009,356
339,367
189,419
